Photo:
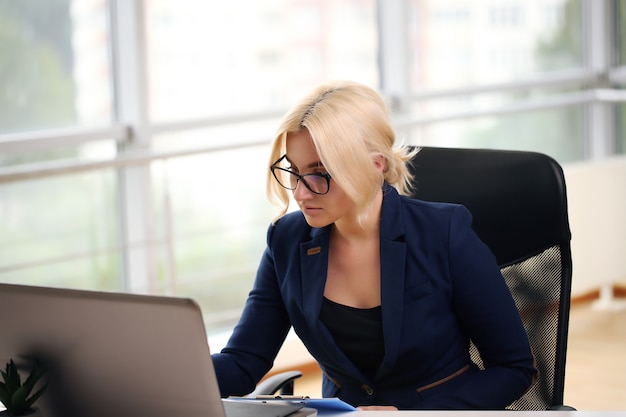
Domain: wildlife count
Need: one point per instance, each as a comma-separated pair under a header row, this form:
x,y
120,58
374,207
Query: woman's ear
x,y
379,162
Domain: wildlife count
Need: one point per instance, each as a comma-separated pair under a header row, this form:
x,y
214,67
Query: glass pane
x,y
60,231
557,133
55,69
213,209
620,24
458,43
214,58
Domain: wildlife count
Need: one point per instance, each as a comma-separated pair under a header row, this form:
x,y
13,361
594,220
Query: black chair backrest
x,y
519,205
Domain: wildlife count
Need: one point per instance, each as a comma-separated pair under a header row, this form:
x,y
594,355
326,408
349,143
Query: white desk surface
x,y
473,414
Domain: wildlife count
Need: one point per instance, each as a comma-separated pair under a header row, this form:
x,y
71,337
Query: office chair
x,y
519,206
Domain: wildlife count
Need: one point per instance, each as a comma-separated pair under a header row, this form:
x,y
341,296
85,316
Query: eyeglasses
x,y
316,182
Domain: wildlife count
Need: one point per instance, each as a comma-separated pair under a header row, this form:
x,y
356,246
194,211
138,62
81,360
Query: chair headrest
x,y
517,198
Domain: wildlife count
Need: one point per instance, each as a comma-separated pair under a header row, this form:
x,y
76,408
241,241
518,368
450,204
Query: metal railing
x,y
19,142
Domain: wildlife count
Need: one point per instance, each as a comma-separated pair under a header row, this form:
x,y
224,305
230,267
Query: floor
x,y
596,361
595,374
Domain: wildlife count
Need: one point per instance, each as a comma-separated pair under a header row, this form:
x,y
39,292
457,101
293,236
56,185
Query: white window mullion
x,y
393,53
598,41
135,184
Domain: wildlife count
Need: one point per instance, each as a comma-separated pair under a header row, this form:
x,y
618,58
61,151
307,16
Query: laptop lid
x,y
110,354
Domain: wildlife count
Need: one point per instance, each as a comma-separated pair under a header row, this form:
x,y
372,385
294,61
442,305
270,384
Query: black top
x,y
358,332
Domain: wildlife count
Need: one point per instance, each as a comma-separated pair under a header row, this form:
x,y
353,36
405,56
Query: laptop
x,y
113,354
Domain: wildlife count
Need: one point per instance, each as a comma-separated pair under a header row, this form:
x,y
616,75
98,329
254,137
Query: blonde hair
x,y
350,129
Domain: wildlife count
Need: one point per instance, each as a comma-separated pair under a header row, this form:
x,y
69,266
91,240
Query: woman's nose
x,y
302,192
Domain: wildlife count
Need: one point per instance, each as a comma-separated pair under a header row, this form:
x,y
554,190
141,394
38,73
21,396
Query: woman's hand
x,y
377,408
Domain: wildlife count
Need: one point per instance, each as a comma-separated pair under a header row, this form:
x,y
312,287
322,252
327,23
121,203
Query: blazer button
x,y
369,390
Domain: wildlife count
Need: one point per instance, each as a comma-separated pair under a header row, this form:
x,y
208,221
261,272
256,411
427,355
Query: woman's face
x,y
318,210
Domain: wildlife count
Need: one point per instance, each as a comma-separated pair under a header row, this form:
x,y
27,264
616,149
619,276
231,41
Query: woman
x,y
384,291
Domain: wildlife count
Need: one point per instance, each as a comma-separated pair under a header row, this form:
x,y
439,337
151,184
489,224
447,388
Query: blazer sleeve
x,y
490,318
258,336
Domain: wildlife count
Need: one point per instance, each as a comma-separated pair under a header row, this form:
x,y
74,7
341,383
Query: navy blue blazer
x,y
440,287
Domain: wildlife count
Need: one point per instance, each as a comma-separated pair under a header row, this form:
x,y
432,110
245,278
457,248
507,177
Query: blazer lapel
x,y
392,270
314,268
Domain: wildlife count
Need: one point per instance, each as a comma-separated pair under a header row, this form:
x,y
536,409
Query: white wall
x,y
596,192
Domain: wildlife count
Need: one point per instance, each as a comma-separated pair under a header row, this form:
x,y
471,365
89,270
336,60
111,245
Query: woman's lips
x,y
310,211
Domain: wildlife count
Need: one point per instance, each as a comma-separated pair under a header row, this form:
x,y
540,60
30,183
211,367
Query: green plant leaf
x,y
34,376
35,397
12,377
16,396
8,379
18,400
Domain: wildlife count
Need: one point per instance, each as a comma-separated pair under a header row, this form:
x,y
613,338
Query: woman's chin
x,y
316,221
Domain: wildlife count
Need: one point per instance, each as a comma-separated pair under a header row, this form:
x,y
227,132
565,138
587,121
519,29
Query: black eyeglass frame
x,y
299,177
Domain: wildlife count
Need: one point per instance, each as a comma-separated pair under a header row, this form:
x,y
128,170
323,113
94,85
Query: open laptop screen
x,y
110,354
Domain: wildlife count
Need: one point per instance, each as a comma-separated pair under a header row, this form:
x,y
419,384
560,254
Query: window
x,y
57,230
61,231
496,44
222,58
134,134
55,64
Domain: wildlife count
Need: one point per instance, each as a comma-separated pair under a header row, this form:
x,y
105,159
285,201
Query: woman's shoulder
x,y
431,208
396,201
294,219
434,215
292,226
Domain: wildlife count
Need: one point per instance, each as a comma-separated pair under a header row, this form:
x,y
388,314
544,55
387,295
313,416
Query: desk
x,y
420,413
